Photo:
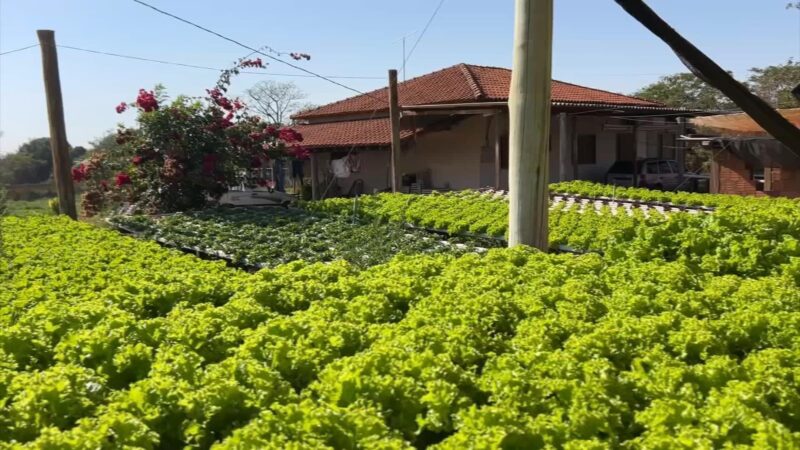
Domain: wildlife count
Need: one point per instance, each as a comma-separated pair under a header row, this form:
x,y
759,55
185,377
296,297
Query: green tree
x,y
106,142
22,168
775,83
38,149
685,90
77,153
32,163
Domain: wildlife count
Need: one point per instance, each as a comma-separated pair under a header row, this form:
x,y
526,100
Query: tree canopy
x,y
685,90
33,162
775,83
772,83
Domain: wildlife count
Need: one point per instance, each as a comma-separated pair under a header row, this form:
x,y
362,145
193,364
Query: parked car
x,y
649,173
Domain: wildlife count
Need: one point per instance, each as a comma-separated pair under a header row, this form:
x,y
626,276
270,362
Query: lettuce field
x,y
272,236
680,331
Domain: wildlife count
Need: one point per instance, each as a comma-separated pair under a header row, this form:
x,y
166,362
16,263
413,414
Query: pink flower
x,y
219,99
121,179
225,122
252,63
209,163
121,107
299,152
147,101
290,136
79,173
272,131
137,160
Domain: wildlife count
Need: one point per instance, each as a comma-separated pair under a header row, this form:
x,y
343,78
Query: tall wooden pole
x,y
58,133
394,118
529,126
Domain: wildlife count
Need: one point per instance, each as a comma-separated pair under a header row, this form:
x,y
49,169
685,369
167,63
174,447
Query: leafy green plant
x,y
685,332
270,237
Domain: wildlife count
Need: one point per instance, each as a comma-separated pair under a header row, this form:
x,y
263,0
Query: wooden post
x,y
680,152
529,123
394,118
62,165
714,183
314,177
768,179
565,140
497,150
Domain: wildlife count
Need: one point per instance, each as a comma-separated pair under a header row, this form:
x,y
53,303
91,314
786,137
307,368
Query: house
x,y
745,159
454,133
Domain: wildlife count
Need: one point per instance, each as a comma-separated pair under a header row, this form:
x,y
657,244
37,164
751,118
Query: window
x,y
664,167
674,166
758,178
651,168
587,149
626,147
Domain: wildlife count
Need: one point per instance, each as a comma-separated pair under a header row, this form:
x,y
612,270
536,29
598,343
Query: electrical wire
x,y
193,66
19,49
234,41
421,35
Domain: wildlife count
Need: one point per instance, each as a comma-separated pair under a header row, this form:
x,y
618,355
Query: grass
x,y
24,208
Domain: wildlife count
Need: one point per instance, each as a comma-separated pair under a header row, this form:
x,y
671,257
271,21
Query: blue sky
x,y
595,44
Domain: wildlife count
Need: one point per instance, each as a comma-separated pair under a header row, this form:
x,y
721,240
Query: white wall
x,y
606,147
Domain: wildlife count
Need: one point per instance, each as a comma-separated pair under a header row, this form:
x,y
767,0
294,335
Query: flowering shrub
x,y
183,151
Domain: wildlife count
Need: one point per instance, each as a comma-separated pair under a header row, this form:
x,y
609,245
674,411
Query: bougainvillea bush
x,y
182,151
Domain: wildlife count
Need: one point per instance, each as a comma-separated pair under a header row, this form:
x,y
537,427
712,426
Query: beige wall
x,y
374,171
463,156
452,157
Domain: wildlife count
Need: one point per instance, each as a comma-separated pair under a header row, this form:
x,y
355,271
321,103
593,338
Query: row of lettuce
x,y
274,236
111,342
750,237
607,191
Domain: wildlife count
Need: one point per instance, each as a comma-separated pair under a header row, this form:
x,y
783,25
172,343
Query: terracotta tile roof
x,y
741,124
464,83
362,133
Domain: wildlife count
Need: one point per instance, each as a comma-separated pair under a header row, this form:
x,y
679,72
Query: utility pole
x,y
394,118
529,127
58,133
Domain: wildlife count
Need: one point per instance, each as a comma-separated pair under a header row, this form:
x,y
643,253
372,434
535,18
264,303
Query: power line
x,y
19,49
295,66
194,66
421,35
